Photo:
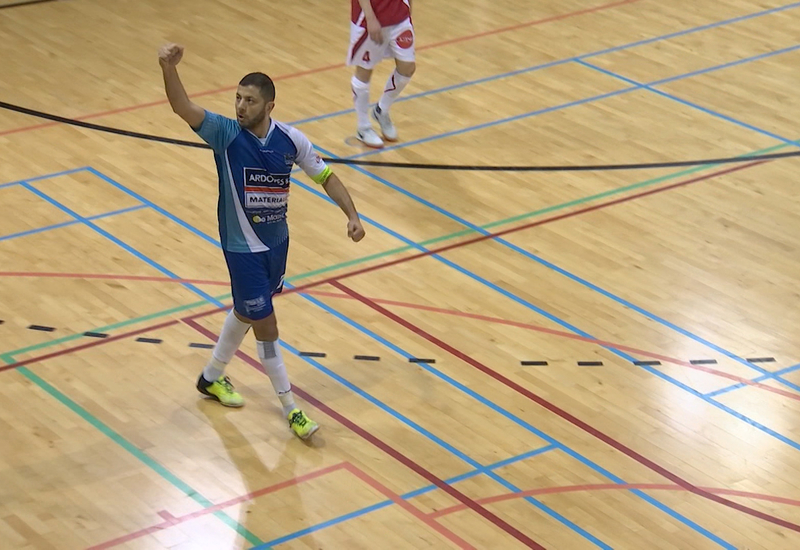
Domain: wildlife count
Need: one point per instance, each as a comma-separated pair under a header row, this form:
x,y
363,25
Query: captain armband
x,y
323,176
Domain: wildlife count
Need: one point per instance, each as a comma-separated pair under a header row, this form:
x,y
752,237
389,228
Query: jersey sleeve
x,y
308,159
218,131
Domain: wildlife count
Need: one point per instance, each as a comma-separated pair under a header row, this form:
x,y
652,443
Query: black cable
x,y
419,166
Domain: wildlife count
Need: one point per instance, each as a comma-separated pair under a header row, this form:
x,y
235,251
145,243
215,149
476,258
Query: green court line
x,y
135,451
8,356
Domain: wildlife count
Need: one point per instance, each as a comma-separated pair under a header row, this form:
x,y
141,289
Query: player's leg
x,y
265,328
364,54
401,46
212,381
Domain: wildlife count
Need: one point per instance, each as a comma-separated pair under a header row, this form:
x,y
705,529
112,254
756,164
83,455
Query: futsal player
x,y
379,29
254,155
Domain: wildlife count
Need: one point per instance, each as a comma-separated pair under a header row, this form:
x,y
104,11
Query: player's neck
x,y
262,129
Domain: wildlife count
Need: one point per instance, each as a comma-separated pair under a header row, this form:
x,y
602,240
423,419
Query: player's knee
x,y
364,75
406,68
266,330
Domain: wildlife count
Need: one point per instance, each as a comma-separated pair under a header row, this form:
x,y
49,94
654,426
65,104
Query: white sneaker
x,y
387,127
370,138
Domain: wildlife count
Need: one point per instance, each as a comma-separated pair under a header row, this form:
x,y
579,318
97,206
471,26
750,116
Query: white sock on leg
x,y
394,86
361,102
272,360
233,332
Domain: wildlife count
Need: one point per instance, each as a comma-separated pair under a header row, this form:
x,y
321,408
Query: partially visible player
x,y
254,156
379,29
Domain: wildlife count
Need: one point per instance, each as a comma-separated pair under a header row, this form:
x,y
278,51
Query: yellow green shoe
x,y
220,389
301,425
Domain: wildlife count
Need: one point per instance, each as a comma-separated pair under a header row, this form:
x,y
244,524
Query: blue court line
x,y
72,222
45,177
651,88
358,513
153,205
388,409
115,240
569,59
479,397
759,379
562,106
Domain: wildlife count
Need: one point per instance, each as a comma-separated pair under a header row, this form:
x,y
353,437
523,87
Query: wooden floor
x,y
618,370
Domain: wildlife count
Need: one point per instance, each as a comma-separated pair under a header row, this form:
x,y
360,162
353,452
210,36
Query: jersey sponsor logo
x,y
267,218
263,190
260,177
405,40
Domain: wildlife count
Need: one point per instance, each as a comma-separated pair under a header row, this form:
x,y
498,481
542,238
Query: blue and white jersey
x,y
254,180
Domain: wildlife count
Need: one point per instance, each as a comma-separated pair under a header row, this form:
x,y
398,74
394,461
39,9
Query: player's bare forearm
x,y
169,57
339,194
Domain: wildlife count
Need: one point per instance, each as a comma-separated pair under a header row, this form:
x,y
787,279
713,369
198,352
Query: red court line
x,y
386,448
410,508
518,26
430,252
326,68
608,440
170,520
614,486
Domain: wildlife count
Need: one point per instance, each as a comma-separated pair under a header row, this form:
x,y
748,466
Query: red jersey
x,y
388,12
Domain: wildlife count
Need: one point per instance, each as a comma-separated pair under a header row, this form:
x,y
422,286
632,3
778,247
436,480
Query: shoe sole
x,y
309,434
365,144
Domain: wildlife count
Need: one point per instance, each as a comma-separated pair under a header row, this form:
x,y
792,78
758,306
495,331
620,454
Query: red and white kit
x,y
398,34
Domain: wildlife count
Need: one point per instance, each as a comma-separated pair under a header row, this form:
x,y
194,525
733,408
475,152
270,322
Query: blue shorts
x,y
255,278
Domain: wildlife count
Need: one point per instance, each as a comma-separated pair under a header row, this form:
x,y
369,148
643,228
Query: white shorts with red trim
x,y
398,43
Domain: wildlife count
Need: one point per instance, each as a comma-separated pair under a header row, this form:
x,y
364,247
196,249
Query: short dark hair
x,y
261,81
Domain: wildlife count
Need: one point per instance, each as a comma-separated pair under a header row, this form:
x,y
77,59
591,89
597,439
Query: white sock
x,y
394,86
233,332
272,360
361,102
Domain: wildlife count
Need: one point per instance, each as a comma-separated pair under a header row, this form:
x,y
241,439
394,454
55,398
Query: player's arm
x,y
336,190
318,170
169,56
373,25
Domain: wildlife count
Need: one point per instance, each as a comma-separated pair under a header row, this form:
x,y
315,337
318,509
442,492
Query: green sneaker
x,y
220,389
301,425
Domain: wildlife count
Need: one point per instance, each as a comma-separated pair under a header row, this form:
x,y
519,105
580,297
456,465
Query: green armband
x,y
323,176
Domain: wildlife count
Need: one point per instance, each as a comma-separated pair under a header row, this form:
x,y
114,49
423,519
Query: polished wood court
x,y
617,370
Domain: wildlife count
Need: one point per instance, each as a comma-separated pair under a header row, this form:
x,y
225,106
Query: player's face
x,y
251,107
